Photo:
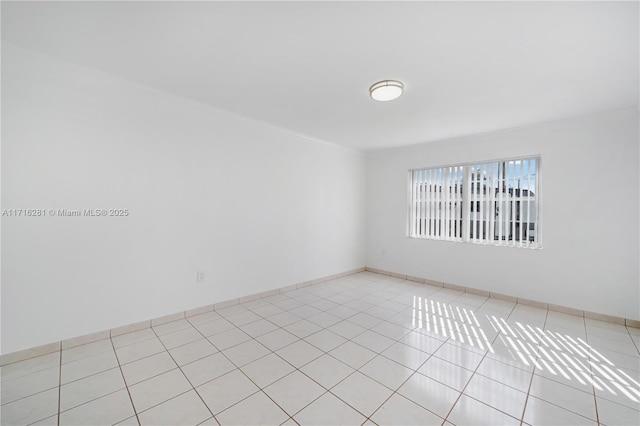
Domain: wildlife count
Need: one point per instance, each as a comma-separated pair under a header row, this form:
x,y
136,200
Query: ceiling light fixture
x,y
386,90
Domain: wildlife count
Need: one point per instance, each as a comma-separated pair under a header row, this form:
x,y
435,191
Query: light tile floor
x,y
364,349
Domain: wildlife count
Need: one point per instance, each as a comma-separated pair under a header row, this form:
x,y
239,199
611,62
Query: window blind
x,y
496,202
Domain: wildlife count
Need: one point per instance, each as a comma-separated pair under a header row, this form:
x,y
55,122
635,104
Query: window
x,y
495,202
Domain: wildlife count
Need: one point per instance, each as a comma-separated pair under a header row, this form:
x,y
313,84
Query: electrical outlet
x,y
199,276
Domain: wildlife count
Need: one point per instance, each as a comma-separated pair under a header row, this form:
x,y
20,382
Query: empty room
x,y
320,213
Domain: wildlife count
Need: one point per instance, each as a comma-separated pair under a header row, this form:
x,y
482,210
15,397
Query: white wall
x,y
590,216
258,208
253,206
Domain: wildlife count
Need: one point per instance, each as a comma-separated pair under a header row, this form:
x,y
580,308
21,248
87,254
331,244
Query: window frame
x,y
468,199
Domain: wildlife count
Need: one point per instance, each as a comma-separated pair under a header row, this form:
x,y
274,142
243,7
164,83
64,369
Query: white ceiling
x,y
468,67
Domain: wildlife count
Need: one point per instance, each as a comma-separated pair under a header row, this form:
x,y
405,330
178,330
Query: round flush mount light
x,y
386,90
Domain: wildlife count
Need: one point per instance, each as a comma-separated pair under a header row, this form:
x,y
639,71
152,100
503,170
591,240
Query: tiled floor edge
x,y
48,348
87,338
558,308
29,353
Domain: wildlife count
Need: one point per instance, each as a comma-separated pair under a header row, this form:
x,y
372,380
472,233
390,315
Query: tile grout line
x,y
59,383
95,399
396,313
27,396
324,353
394,392
632,340
415,371
593,388
568,385
321,329
484,356
73,381
133,406
303,339
260,389
411,375
584,320
357,370
533,372
184,375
